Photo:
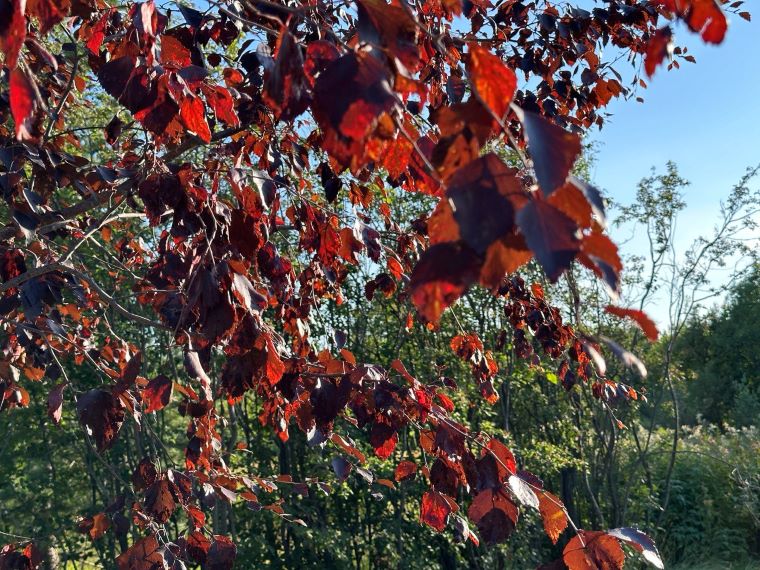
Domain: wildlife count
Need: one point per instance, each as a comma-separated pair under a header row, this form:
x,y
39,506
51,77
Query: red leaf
x,y
22,104
601,551
285,84
48,12
405,470
504,256
435,510
55,402
702,16
550,234
600,254
658,48
484,196
492,81
94,526
159,500
198,546
113,130
275,368
440,277
193,115
98,33
319,54
12,31
145,554
221,555
157,394
221,102
639,317
102,415
505,459
144,475
494,514
383,439
393,26
445,402
349,97
552,149
174,53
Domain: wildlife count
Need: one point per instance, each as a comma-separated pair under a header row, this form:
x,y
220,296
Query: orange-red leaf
x,y
593,550
441,276
639,317
493,82
221,102
552,514
94,526
405,470
505,459
193,115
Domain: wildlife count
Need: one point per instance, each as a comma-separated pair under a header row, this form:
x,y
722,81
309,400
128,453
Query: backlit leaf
x,y
593,550
639,317
552,514
435,510
441,276
157,394
22,104
702,16
492,81
658,49
12,31
405,470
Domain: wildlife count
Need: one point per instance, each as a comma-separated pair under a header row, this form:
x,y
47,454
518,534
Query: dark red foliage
x,y
308,137
101,414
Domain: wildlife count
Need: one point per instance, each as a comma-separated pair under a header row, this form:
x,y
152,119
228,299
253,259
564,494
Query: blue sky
x,y
703,116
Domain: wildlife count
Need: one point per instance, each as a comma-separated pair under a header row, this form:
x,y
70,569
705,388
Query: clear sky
x,y
703,116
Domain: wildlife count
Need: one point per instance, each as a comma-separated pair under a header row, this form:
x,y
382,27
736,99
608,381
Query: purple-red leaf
x,y
552,149
157,394
55,402
102,415
550,234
